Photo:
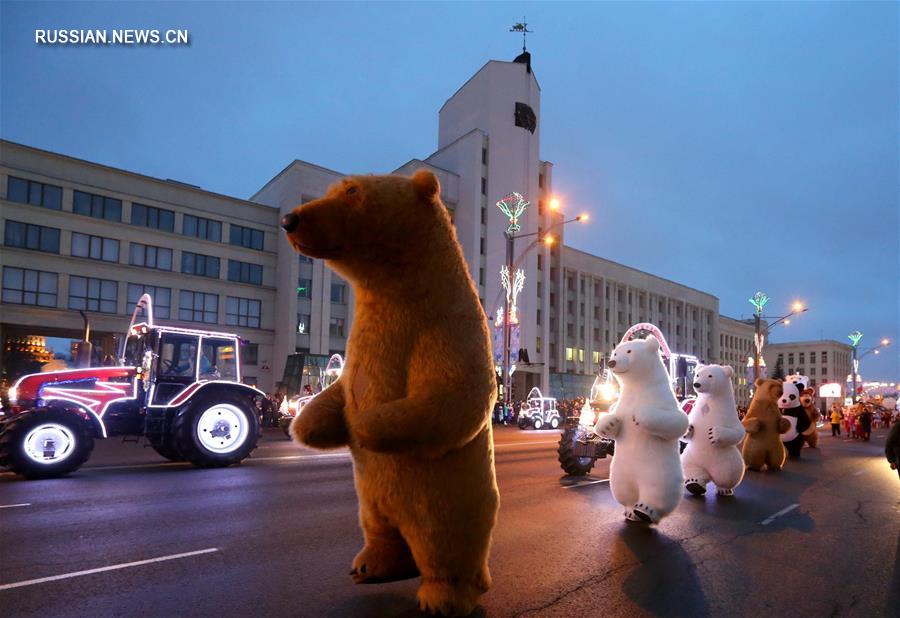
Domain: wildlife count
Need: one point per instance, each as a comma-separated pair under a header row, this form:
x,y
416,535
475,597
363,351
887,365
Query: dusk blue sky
x,y
732,147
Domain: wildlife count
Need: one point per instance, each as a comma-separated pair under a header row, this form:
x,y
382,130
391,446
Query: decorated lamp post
x,y
514,206
759,302
855,338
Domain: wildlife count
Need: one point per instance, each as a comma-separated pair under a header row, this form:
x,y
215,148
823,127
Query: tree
x,y
778,372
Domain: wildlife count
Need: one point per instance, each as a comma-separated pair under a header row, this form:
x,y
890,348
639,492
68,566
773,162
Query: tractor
x,y
178,388
579,445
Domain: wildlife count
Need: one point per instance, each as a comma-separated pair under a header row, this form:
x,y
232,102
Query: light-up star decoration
x,y
513,288
854,337
513,205
759,301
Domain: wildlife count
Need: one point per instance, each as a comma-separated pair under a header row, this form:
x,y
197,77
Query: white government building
x,y
80,235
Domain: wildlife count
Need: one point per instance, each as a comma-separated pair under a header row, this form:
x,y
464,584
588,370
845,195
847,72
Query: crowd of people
x,y
858,420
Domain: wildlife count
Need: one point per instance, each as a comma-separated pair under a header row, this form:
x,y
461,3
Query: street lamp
x,y
759,302
514,206
855,338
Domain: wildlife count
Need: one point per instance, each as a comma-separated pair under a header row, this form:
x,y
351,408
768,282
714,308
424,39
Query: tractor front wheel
x,y
45,443
216,430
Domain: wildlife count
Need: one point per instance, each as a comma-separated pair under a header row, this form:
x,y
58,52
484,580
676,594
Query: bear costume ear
x,y
759,382
653,342
809,391
426,184
728,370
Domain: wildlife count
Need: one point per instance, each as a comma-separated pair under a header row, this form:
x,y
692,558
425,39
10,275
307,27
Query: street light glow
x,y
797,306
885,342
548,240
582,217
786,322
554,204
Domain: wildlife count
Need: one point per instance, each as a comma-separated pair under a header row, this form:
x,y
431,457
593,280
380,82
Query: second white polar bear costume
x,y
645,473
715,432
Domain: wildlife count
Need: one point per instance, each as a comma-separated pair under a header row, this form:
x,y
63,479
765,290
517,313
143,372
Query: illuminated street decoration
x,y
513,205
759,301
512,288
854,337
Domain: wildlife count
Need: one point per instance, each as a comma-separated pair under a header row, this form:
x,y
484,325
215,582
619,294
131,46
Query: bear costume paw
x,y
608,427
713,435
644,513
383,564
695,486
447,597
721,491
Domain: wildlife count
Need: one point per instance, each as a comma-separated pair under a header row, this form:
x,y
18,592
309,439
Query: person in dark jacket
x,y
892,448
865,422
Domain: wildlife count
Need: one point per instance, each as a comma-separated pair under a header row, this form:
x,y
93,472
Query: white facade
x,y
823,361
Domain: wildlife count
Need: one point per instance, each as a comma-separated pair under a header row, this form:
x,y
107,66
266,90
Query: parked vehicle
x,y
539,411
179,388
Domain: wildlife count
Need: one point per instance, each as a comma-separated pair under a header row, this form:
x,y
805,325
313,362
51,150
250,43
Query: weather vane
x,y
522,27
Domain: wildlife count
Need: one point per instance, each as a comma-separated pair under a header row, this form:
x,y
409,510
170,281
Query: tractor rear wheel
x,y
45,443
571,463
216,430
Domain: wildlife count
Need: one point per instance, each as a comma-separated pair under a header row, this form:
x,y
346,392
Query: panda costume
x,y
792,409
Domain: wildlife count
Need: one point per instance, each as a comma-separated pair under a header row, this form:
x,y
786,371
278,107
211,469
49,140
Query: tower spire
x,y
522,27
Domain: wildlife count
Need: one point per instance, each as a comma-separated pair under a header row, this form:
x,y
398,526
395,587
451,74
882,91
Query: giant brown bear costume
x,y
414,399
764,425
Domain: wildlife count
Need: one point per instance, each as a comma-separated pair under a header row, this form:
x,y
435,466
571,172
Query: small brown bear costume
x,y
764,424
808,401
414,399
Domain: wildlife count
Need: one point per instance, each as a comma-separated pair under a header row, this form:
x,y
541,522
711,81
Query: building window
x,y
812,358
540,290
22,286
484,156
34,193
303,321
570,330
98,206
198,307
304,259
246,237
484,186
483,216
89,294
580,355
150,216
541,181
197,264
791,359
244,272
812,371
481,244
207,229
802,357
336,327
595,356
481,276
149,256
824,357
537,344
242,311
34,237
304,288
250,355
570,354
95,247
339,293
538,317
162,298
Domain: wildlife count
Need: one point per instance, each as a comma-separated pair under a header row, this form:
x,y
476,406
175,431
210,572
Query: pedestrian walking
x,y
892,448
836,418
865,423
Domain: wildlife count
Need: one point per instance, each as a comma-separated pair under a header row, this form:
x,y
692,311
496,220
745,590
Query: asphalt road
x,y
275,537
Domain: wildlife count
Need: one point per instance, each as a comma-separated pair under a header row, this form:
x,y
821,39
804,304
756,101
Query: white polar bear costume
x,y
645,473
714,433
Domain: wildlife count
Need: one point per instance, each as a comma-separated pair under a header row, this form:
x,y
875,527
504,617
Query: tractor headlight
x,y
13,394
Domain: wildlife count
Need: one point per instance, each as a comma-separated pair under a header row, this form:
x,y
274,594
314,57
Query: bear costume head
x,y
638,360
346,227
713,379
801,382
808,398
790,396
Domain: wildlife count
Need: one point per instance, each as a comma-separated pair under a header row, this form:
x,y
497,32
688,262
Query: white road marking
x,y
12,506
583,483
112,567
768,520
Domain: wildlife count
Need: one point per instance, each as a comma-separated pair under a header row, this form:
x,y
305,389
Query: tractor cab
x,y
538,411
